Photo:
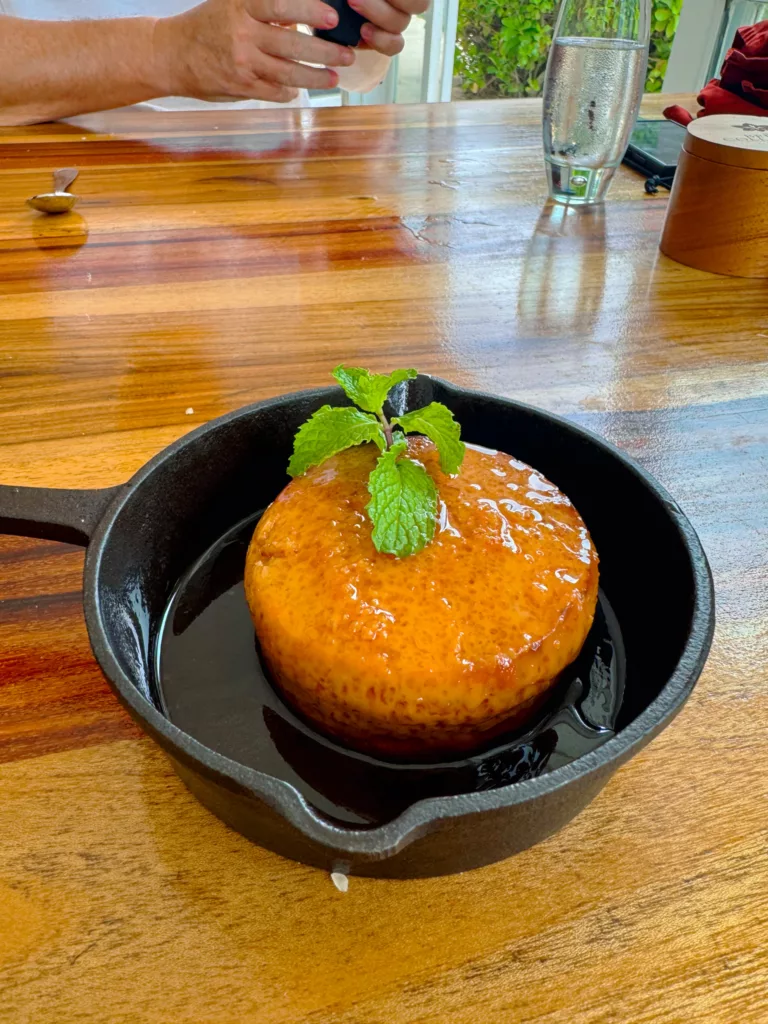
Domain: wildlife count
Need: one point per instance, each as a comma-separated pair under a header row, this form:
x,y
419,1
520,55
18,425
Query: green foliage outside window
x,y
502,45
666,14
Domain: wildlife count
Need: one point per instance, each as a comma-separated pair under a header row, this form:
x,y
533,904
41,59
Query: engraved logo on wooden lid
x,y
734,139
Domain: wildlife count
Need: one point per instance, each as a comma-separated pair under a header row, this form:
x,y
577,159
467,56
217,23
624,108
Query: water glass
x,y
595,76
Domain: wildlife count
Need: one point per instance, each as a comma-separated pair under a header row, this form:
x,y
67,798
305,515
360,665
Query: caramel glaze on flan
x,y
436,653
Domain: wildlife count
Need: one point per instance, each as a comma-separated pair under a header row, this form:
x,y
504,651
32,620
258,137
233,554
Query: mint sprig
x,y
370,390
437,422
329,431
403,505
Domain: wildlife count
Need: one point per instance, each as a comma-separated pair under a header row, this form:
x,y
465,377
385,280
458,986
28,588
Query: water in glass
x,y
591,99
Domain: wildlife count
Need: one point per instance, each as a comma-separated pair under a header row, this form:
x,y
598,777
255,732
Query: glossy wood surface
x,y
219,259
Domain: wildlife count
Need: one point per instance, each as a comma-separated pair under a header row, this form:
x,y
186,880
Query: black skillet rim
x,y
388,839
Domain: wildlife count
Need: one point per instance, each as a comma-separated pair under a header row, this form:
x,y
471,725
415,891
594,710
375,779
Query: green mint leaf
x,y
329,431
403,505
437,422
369,390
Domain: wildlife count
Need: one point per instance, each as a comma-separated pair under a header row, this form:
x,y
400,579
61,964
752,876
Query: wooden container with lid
x,y
717,218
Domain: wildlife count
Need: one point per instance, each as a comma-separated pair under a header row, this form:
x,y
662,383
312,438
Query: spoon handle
x,y
63,178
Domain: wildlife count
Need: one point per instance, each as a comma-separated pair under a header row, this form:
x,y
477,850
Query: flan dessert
x,y
435,654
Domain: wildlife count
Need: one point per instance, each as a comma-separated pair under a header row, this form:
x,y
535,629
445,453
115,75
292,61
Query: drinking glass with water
x,y
595,76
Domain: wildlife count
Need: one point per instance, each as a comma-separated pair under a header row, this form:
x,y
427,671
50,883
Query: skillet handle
x,y
69,516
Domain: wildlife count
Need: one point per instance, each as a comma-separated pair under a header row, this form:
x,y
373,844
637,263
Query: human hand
x,y
386,20
245,49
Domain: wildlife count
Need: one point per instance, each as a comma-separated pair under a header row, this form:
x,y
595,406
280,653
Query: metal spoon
x,y
60,200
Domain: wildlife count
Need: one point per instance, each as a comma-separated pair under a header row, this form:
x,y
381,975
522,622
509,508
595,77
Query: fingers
x,y
269,91
409,6
277,93
382,14
299,76
314,13
385,42
298,46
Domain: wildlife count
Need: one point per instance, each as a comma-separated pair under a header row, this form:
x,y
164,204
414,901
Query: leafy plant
x,y
666,15
403,505
502,45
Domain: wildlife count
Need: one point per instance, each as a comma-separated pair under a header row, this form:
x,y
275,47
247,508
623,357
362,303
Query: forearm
x,y
52,69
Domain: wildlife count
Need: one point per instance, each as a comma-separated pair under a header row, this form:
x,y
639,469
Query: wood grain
x,y
732,200
218,259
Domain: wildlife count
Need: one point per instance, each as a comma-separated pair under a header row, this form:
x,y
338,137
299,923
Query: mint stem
x,y
387,429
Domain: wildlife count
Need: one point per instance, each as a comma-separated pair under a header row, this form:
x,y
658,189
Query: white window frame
x,y
696,41
437,61
439,51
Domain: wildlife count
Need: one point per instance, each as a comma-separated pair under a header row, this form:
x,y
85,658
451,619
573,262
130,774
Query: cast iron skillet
x,y
143,536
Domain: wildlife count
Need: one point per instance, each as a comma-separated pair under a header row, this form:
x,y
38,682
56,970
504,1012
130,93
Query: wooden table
x,y
219,259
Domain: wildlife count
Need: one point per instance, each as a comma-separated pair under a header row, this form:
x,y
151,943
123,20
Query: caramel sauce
x,y
214,685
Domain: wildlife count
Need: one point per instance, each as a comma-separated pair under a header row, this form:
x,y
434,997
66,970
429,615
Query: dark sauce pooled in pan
x,y
213,685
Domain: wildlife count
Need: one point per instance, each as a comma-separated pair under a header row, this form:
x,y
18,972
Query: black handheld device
x,y
654,149
347,32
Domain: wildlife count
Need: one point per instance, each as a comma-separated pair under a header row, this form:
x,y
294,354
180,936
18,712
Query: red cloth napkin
x,y
743,84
